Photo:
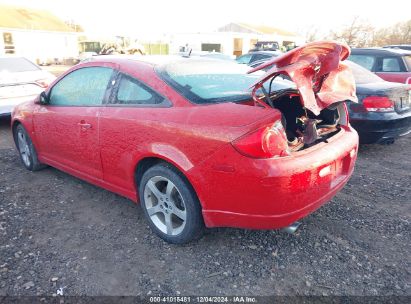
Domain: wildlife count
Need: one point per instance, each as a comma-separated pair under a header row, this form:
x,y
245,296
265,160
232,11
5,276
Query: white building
x,y
233,39
35,34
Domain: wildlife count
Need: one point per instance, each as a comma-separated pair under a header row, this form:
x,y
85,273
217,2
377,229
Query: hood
x,y
318,71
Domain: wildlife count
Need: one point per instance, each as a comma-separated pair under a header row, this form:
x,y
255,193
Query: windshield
x,y
362,75
211,81
16,64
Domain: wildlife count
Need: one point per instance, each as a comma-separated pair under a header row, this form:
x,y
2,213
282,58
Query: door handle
x,y
83,124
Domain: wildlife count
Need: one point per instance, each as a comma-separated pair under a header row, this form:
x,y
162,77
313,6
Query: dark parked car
x,y
206,54
390,64
265,46
252,57
383,111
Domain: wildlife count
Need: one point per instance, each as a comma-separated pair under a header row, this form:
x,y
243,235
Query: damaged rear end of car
x,y
286,147
296,159
313,108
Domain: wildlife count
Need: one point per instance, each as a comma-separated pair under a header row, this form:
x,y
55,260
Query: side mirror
x,y
44,99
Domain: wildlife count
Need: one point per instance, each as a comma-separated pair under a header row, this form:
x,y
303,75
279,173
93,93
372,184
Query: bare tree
x,y
312,33
360,33
400,33
357,34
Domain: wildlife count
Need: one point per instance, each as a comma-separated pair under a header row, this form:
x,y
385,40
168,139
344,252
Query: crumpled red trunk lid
x,y
318,71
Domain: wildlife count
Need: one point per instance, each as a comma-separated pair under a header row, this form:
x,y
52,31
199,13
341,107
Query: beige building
x,y
36,34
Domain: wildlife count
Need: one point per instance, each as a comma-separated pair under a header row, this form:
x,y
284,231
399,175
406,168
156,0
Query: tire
x,y
27,152
170,205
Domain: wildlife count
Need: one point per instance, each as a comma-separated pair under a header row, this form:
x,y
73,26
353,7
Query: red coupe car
x,y
200,143
391,64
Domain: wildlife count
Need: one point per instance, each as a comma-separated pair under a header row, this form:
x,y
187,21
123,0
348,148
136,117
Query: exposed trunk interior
x,y
303,128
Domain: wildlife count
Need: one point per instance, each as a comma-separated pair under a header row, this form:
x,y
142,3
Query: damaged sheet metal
x,y
318,71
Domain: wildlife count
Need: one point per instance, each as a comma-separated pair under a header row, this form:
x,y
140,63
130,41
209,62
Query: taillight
x,y
378,104
44,83
266,142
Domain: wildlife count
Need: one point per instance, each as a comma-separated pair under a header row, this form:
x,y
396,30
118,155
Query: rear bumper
x,y
215,218
7,104
387,127
236,191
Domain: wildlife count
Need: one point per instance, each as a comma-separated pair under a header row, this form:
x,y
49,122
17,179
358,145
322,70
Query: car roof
x,y
153,60
380,51
149,59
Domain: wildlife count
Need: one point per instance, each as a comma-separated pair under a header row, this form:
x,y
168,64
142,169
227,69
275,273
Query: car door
x,y
131,120
67,126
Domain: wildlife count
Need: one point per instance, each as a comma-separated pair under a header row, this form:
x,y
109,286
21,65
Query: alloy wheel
x,y
165,205
24,148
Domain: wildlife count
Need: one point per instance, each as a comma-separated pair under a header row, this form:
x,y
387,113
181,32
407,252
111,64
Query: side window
x,y
245,59
390,64
365,61
131,91
83,87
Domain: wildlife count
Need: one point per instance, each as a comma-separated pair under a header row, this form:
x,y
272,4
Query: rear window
x,y
245,59
261,57
17,64
210,81
362,75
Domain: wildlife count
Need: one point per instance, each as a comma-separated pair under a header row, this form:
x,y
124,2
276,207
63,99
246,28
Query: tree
x,y
357,34
312,33
399,33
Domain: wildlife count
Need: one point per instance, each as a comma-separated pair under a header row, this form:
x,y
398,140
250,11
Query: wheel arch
x,y
14,125
149,161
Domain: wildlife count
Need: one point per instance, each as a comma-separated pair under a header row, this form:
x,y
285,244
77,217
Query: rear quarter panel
x,y
182,136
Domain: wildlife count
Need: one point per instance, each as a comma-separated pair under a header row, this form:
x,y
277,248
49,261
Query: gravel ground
x,y
58,231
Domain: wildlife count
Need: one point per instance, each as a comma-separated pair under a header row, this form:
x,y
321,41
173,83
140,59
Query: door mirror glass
x,y
44,99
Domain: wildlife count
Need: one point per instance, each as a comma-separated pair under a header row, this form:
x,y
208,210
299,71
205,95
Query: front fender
x,y
23,114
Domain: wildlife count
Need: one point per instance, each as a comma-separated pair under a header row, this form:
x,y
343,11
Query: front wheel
x,y
170,205
28,154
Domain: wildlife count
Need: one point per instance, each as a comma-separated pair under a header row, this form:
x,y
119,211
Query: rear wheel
x,y
28,154
170,205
